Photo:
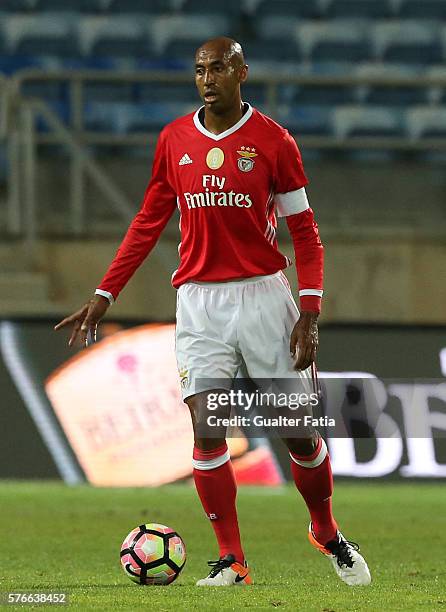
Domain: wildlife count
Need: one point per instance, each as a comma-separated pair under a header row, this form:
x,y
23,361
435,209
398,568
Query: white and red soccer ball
x,y
153,554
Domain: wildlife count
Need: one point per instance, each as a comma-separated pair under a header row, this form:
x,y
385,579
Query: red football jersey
x,y
227,188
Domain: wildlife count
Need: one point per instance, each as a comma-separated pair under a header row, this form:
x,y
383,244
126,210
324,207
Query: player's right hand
x,y
86,319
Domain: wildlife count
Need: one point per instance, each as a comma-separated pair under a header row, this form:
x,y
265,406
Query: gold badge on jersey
x,y
215,158
246,162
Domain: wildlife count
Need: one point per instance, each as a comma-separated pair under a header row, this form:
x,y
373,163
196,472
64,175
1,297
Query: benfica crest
x,y
245,162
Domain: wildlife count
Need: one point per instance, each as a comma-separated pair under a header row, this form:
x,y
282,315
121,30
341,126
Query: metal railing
x,y
77,80
18,126
3,106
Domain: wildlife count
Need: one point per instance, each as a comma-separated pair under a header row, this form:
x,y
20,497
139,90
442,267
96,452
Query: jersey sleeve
x,y
289,179
157,207
292,202
309,254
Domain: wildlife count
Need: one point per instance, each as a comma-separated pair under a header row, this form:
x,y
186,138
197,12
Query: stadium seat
x,y
122,118
166,92
50,91
407,42
48,45
16,6
113,36
391,95
329,68
181,49
107,117
358,9
373,70
203,7
35,35
426,122
423,53
153,117
396,96
342,41
121,47
9,64
306,120
162,63
97,63
109,91
272,49
91,6
139,6
322,95
437,93
339,51
289,8
179,28
363,121
276,27
422,9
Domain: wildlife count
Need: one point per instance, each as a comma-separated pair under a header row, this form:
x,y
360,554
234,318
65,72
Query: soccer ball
x,y
153,554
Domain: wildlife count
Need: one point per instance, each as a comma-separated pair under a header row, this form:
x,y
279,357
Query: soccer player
x,y
229,168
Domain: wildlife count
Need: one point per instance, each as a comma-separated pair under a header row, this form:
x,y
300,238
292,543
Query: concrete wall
x,y
400,281
383,225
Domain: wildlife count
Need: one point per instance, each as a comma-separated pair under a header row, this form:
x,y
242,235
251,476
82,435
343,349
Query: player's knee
x,y
208,422
201,408
302,446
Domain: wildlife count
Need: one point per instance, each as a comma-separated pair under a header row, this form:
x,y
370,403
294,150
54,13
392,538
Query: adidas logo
x,y
185,160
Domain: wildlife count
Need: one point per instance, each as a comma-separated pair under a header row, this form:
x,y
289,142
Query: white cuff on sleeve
x,y
291,203
105,294
317,292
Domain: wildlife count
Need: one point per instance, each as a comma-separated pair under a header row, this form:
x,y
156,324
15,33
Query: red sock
x,y
314,480
217,489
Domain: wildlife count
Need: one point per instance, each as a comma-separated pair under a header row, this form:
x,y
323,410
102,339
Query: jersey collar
x,y
227,132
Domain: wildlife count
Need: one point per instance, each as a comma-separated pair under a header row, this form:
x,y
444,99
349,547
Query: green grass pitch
x,y
68,539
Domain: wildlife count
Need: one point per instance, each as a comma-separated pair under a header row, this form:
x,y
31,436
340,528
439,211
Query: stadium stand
x,y
289,9
362,38
408,42
426,122
203,7
138,6
313,120
57,6
359,9
423,9
339,41
36,35
114,36
360,121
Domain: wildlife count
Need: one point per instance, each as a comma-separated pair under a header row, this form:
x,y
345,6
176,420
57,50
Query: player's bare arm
x,y
86,319
304,339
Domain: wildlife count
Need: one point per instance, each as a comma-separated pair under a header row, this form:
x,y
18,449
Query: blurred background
x,y
85,87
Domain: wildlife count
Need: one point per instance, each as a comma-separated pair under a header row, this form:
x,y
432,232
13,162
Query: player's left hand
x,y
304,340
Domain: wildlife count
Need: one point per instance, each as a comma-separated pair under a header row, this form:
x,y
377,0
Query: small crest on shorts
x,y
184,377
245,162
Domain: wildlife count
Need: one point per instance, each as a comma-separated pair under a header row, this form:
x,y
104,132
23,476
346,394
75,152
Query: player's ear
x,y
243,73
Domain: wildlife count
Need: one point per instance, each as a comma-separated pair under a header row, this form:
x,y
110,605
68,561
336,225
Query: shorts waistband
x,y
252,280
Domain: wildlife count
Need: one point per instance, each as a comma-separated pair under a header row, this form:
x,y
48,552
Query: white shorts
x,y
238,326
